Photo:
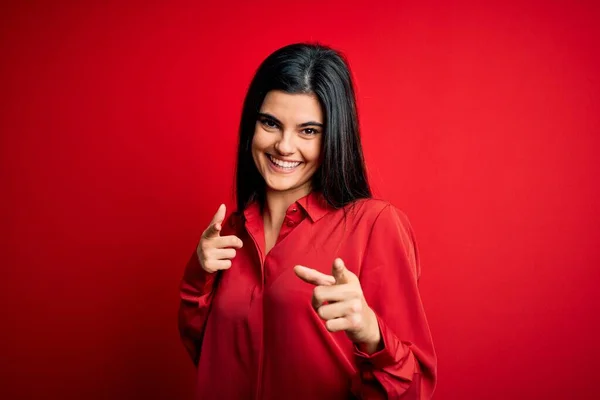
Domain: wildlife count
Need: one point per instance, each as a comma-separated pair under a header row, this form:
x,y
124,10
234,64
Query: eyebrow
x,y
303,125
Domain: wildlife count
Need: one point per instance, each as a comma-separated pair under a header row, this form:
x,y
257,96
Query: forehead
x,y
292,108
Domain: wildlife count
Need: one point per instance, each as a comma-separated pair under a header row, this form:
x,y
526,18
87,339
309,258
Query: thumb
x,y
340,272
216,223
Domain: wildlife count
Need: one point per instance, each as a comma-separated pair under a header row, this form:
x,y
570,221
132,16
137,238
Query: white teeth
x,y
284,164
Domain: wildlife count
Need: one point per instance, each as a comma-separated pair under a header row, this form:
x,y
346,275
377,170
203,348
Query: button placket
x,y
292,218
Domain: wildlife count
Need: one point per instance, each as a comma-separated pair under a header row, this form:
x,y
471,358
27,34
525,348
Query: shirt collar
x,y
313,204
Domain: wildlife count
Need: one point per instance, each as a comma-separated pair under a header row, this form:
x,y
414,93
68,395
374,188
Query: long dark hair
x,y
308,68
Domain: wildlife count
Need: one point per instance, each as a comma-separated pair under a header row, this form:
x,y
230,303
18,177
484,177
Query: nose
x,y
285,145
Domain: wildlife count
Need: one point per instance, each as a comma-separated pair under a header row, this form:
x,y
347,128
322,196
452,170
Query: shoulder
x,y
389,230
382,221
377,210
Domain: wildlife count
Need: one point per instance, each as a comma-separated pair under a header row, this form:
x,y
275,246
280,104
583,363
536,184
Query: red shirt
x,y
254,334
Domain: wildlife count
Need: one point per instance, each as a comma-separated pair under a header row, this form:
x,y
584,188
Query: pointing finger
x,y
340,272
216,223
219,215
313,277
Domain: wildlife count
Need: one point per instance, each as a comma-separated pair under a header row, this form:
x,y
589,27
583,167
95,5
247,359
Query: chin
x,y
281,187
278,186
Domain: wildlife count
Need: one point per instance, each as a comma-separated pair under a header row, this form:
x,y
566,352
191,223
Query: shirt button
x,y
290,223
294,210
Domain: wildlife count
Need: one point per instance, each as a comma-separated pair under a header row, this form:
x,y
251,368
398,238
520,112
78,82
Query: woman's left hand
x,y
339,300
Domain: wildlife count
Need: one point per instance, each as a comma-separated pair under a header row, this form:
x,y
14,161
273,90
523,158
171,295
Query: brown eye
x,y
269,123
310,131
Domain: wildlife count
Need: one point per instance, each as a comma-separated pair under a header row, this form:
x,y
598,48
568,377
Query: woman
x,y
309,290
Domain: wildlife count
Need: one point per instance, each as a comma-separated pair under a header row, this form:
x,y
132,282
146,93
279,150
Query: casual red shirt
x,y
253,333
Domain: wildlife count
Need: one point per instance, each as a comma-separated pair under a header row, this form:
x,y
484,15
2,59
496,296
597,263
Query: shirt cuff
x,y
197,283
392,351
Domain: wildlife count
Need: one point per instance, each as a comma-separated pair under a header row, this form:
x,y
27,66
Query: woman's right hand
x,y
215,252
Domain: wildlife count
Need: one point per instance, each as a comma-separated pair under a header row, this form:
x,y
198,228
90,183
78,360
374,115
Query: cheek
x,y
256,149
260,141
313,151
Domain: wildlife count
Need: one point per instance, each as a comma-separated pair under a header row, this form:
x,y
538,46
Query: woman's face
x,y
287,141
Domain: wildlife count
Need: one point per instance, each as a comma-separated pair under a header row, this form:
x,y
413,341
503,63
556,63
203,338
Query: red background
x,y
118,129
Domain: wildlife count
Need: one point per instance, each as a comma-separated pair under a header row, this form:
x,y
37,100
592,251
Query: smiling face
x,y
286,146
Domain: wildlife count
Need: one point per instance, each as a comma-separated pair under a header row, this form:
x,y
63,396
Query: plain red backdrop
x,y
118,134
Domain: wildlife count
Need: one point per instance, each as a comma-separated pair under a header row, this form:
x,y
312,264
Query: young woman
x,y
309,290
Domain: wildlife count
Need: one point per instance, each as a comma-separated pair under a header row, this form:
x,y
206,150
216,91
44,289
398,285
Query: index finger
x,y
313,276
212,231
215,225
219,215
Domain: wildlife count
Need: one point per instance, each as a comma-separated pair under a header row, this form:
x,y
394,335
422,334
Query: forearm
x,y
196,293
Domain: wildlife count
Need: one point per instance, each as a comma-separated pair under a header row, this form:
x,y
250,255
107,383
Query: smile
x,y
286,165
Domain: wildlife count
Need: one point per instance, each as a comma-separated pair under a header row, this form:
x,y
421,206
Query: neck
x,y
277,203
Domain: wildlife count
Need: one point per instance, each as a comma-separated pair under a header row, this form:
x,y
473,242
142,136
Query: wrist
x,y
373,341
